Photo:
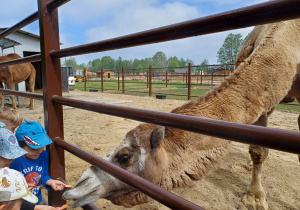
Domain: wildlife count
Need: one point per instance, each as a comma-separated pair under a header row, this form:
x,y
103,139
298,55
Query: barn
x,y
25,44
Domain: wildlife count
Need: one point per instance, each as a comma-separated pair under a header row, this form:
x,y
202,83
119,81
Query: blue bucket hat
x,y
33,134
9,146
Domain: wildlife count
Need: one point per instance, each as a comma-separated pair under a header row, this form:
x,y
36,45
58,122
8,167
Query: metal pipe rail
x,y
31,58
288,141
263,13
37,96
163,196
31,18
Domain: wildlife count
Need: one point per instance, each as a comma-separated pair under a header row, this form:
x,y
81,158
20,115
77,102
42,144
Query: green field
x,y
174,90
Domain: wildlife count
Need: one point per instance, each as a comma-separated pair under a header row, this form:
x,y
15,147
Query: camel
x,y
266,71
11,75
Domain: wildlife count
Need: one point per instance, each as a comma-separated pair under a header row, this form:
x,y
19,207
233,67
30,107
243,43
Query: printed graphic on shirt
x,y
35,179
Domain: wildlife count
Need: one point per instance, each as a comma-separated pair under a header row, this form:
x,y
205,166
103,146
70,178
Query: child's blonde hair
x,y
10,116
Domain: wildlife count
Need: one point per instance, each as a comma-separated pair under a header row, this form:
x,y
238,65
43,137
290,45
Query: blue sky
x,y
85,21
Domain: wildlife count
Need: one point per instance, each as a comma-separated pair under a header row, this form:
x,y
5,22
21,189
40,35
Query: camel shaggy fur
x,y
13,74
169,157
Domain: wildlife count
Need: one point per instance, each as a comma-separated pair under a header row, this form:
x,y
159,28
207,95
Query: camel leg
x,y
255,197
12,97
30,84
2,95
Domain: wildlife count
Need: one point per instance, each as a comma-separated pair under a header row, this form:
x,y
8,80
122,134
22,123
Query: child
x,y
9,148
33,138
13,190
9,118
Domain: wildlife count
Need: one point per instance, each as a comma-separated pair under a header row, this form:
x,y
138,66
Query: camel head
x,y
167,157
139,153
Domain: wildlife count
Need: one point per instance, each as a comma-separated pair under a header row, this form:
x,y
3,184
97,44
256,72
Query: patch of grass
x,y
175,90
288,107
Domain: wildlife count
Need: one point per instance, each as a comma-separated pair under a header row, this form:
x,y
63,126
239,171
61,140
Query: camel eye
x,y
124,159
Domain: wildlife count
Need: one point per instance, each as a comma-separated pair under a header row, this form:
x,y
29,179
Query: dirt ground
x,y
222,189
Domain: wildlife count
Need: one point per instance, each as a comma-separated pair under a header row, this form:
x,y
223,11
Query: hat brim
x,y
5,196
30,198
38,141
15,152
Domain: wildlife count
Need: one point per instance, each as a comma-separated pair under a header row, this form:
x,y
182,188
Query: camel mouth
x,y
81,201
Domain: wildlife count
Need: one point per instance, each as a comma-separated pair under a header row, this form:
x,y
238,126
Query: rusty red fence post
x,y
51,78
150,80
201,77
123,80
147,75
166,79
118,79
85,79
102,78
189,80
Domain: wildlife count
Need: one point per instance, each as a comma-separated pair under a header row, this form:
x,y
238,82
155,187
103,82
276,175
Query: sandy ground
x,y
221,189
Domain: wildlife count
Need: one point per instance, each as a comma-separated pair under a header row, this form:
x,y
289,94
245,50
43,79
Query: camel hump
x,y
13,56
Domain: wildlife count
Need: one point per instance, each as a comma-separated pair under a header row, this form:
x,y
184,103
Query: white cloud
x,y
136,18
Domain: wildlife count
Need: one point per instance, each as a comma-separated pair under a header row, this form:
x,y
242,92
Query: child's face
x,y
5,162
33,153
12,128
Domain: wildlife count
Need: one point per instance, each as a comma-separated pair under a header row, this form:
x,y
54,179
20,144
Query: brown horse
x,y
14,74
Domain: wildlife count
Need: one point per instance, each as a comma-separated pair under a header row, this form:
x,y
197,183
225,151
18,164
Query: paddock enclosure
x,y
53,100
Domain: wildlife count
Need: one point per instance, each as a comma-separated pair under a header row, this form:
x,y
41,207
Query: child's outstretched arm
x,y
57,185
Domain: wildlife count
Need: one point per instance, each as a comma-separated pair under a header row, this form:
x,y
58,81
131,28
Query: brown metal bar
x,y
147,75
163,196
118,80
31,58
102,79
55,4
150,80
51,78
31,18
123,80
267,12
288,141
37,96
166,78
189,80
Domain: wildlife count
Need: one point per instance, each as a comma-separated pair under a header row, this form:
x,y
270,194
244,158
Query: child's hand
x,y
31,186
57,185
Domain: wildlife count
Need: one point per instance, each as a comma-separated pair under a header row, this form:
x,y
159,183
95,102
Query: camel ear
x,y
158,135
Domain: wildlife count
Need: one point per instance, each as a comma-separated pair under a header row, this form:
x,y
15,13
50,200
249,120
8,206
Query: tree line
x,y
226,55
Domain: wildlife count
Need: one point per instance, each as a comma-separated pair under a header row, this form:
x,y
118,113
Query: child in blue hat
x,y
9,146
33,138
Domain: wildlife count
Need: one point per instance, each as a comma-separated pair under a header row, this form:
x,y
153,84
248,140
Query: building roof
x,y
23,32
7,43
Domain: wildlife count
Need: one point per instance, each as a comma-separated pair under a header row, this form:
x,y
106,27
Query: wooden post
x,y
118,79
85,79
51,79
201,78
123,81
150,80
102,78
147,75
212,80
166,79
189,81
